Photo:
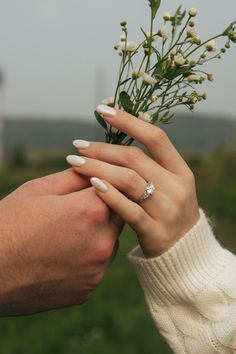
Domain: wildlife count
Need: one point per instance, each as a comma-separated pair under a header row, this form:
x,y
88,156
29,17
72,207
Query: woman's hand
x,y
121,177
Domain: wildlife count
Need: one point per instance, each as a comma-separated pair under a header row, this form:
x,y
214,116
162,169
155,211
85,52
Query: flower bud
x,y
163,32
227,46
149,80
114,130
154,98
204,96
166,16
192,12
192,32
210,77
203,56
223,50
179,60
191,24
211,46
123,24
110,101
136,74
193,78
145,117
123,37
128,46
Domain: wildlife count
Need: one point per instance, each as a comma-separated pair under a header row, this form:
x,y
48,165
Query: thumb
x,y
60,183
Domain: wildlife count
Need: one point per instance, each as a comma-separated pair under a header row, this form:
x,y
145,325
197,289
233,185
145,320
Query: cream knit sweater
x,y
191,292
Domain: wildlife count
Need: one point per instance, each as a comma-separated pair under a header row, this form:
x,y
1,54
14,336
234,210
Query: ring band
x,y
149,190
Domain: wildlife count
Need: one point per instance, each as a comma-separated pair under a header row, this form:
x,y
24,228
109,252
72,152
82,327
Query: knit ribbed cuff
x,y
183,271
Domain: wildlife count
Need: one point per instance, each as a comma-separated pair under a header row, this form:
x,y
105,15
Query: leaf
x,y
154,4
126,102
124,82
100,120
175,72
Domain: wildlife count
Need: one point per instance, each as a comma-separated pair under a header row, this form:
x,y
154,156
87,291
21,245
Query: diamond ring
x,y
149,190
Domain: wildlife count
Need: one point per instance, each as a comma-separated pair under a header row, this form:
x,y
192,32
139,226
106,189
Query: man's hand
x,y
57,239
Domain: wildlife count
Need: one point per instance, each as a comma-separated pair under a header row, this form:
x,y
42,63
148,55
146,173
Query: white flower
x,y
137,73
110,101
128,46
123,37
145,117
192,78
211,46
166,16
192,32
179,59
163,32
149,80
192,12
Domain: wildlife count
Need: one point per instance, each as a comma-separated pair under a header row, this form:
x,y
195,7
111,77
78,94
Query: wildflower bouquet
x,y
162,72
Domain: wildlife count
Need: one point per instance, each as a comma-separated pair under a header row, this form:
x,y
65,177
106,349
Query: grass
x,y
116,318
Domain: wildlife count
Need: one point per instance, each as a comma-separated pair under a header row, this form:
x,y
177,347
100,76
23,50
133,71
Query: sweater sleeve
x,y
191,292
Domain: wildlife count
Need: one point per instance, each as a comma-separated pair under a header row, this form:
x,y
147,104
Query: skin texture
x,y
165,217
57,240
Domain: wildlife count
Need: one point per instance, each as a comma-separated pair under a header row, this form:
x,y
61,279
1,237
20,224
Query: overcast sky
x,y
52,51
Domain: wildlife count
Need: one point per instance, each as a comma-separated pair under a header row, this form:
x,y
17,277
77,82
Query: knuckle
x,y
131,179
104,252
133,153
137,214
30,185
97,212
157,135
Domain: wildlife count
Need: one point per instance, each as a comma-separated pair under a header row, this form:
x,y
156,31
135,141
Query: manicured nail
x,y
81,144
75,160
106,110
100,185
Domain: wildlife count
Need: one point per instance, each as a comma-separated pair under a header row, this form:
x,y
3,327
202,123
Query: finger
x,y
127,156
59,183
129,211
124,179
154,138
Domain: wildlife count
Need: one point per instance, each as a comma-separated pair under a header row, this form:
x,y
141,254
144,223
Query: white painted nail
x,y
100,185
106,110
75,160
81,144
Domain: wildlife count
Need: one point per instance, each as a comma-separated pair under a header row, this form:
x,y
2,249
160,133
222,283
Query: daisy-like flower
x,y
192,12
179,59
192,78
110,101
166,16
145,117
192,32
149,80
163,32
136,73
211,46
128,46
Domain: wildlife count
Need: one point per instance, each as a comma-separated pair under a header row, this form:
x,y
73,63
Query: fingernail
x,y
81,144
100,185
106,110
75,160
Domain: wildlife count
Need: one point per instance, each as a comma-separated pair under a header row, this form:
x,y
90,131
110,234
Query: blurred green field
x,y
116,319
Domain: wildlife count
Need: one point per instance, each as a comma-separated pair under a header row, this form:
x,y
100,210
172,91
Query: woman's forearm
x,y
191,292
